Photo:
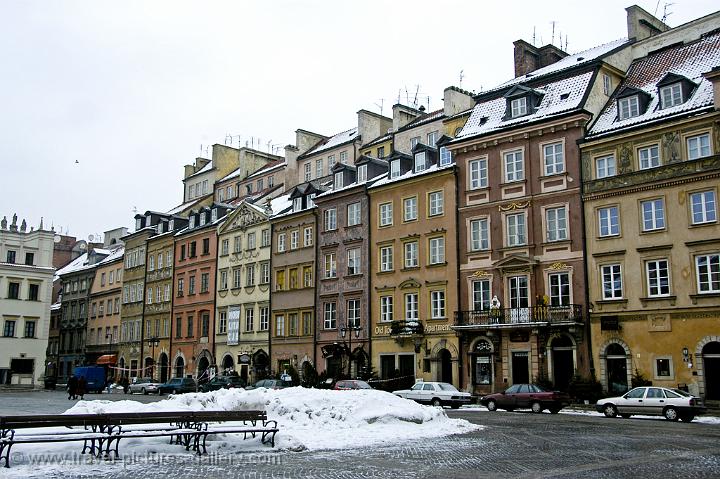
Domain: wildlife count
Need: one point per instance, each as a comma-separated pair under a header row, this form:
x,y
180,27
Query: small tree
x,y
638,379
582,388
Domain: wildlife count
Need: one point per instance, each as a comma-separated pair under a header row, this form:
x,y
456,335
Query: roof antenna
x,y
665,11
462,73
552,40
382,102
534,44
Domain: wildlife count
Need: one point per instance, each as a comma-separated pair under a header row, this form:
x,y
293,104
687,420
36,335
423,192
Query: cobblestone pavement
x,y
514,444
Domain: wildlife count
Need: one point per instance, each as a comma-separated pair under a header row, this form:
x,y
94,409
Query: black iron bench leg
x,y
5,453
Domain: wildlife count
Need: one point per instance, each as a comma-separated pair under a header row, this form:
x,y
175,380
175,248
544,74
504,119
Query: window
x,y
251,240
653,215
237,272
178,327
605,166
159,264
353,261
628,107
33,292
386,214
265,237
264,273
338,182
250,275
353,214
191,285
11,256
556,222
481,295
331,162
249,320
297,204
649,157
410,209
204,282
149,297
437,304
361,173
411,254
206,246
308,236
279,280
192,249
607,84
271,181
437,250
386,258
698,146
658,280
394,168
411,307
293,278
308,171
703,207
353,313
445,156
330,265
9,330
180,287
264,318
478,174
294,239
436,203
281,243
518,107
516,229
280,325
222,323
514,166
559,289
708,273
420,162
519,296
554,159
663,370
479,235
343,157
381,152
386,308
330,321
190,326
166,296
414,141
612,281
319,168
205,325
292,324
29,259
307,277
13,290
30,329
609,221
432,138
330,219
670,95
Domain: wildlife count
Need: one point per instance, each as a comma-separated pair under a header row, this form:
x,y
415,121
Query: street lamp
x,y
343,332
154,341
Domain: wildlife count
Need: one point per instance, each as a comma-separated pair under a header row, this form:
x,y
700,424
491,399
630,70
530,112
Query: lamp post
x,y
343,332
154,341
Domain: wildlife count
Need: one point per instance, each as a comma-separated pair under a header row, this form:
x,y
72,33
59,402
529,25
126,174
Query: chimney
x,y
529,58
304,140
402,115
713,76
642,25
456,100
371,125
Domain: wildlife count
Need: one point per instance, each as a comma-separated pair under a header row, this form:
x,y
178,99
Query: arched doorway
x,y
148,370
228,365
616,369
164,367
445,366
202,372
179,367
711,369
260,365
361,362
563,361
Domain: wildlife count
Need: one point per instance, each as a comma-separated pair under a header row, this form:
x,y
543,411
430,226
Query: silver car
x,y
435,393
144,386
673,404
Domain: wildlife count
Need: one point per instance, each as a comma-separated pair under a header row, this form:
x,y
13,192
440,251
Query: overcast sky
x,y
131,90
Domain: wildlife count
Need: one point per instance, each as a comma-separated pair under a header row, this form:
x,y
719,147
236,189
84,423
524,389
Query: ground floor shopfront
x,y
249,360
679,349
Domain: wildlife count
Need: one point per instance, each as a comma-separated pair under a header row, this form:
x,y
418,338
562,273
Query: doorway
x,y
563,363
711,369
163,368
445,366
520,367
616,367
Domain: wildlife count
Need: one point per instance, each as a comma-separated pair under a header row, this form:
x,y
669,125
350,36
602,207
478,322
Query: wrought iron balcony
x,y
406,328
508,317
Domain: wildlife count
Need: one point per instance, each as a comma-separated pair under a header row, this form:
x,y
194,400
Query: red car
x,y
346,385
526,396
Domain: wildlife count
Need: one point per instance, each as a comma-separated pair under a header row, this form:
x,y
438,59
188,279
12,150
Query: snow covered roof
x,y
114,255
689,61
209,166
385,179
74,265
335,140
559,96
184,206
270,167
380,139
566,63
421,120
281,204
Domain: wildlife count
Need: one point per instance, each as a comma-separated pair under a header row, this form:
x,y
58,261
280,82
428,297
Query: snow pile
x,y
309,418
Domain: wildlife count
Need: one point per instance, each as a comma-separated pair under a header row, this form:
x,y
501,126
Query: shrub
x,y
638,379
582,388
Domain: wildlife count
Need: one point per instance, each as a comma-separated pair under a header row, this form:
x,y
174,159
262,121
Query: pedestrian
x,y
72,387
81,386
125,384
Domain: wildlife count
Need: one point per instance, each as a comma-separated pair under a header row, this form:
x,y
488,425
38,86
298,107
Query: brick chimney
x,y
402,115
529,58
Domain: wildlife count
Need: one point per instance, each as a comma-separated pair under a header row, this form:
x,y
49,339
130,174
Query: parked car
x,y
271,384
526,396
673,404
223,382
435,393
178,385
144,386
349,384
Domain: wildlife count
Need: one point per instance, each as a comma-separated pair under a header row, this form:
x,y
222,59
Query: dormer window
x,y
297,204
394,168
310,202
192,221
171,225
518,107
138,223
338,180
214,214
445,156
628,107
147,220
160,226
670,95
362,173
202,218
420,161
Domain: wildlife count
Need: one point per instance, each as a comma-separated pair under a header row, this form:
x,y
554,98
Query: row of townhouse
x,y
563,223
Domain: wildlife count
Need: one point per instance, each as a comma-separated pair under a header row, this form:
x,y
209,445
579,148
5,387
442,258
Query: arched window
x,y
482,363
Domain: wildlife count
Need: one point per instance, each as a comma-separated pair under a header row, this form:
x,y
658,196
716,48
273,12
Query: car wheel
x,y
455,405
670,414
436,402
609,410
687,418
143,391
624,416
536,407
554,411
491,406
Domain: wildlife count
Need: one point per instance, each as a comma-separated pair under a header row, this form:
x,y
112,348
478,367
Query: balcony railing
x,y
570,313
406,328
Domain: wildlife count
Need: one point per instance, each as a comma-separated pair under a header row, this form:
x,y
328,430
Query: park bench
x,y
101,433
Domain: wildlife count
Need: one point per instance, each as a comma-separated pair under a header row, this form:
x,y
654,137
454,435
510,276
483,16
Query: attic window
x,y
338,180
310,202
160,226
394,168
362,173
138,223
297,204
192,222
214,215
564,96
628,107
420,161
518,107
171,225
203,218
671,95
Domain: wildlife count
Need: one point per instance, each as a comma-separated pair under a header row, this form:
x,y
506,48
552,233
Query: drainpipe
x,y
172,304
461,373
270,297
586,312
369,272
142,320
316,239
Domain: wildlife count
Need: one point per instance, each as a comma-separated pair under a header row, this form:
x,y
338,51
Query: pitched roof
x,y
379,139
689,61
209,166
335,140
423,119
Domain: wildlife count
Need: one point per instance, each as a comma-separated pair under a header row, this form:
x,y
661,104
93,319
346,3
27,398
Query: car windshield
x,y
539,389
682,393
363,385
447,387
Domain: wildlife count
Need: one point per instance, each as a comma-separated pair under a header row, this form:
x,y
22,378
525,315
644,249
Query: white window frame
x,y
394,169
308,171
410,210
354,216
436,203
420,162
330,219
436,249
386,214
281,243
437,304
554,158
412,306
706,202
354,261
411,254
518,107
608,223
478,176
516,230
671,95
308,236
445,156
386,309
628,107
514,165
294,239
654,278
479,234
556,226
361,173
649,157
338,180
605,166
386,258
698,146
330,265
330,315
712,274
615,272
652,216
557,281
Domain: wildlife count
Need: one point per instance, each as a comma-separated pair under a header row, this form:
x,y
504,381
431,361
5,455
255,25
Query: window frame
x,y
648,278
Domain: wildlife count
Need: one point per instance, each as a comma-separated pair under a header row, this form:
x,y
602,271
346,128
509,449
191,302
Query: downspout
x,y
586,308
369,250
142,321
461,374
316,240
270,297
172,304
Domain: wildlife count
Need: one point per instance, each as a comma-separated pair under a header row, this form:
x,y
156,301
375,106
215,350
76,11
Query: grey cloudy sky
x,y
131,90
